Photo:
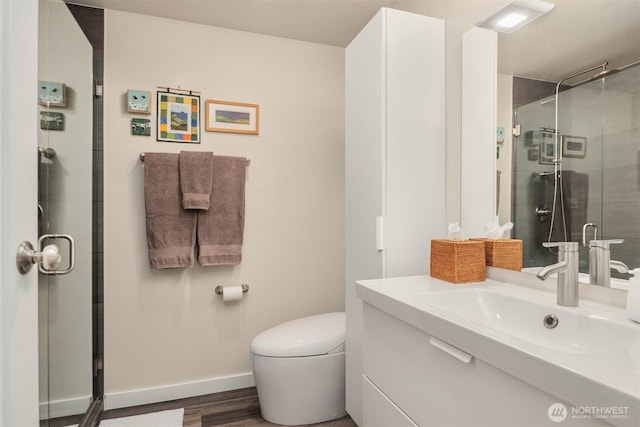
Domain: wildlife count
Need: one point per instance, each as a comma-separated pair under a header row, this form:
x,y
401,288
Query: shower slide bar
x,y
141,157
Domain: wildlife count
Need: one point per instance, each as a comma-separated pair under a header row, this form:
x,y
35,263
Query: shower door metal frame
x,y
91,21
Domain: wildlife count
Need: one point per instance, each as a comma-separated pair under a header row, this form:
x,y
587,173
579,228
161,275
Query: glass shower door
x,y
65,139
599,145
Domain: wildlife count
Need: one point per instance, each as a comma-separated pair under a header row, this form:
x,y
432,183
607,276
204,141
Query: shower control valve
x,y
542,212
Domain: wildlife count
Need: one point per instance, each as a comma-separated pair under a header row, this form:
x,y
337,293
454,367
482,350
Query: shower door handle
x,y
48,258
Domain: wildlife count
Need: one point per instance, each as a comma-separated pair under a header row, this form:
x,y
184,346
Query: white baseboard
x,y
64,408
125,399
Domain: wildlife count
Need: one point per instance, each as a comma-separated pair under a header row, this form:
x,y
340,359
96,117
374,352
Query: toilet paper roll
x,y
231,293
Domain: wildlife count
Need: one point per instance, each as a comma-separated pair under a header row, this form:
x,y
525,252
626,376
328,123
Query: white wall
x,y
166,327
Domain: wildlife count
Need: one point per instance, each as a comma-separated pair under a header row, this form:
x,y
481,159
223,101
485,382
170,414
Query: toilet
x,y
298,367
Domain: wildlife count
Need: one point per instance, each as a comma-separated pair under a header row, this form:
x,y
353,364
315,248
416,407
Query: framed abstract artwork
x,y
235,117
139,101
178,118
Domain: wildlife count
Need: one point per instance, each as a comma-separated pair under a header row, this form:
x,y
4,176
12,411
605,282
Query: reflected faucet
x,y
600,263
567,269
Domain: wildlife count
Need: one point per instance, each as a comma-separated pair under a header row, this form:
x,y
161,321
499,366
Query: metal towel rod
x,y
141,157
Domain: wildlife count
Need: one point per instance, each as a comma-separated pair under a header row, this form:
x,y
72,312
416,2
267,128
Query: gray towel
x,y
171,230
196,170
221,228
576,202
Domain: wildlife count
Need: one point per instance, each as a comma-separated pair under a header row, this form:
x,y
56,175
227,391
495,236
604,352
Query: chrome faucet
x,y
600,263
567,269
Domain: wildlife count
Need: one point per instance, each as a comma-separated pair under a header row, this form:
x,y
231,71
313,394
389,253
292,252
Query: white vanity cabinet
x,y
408,381
394,160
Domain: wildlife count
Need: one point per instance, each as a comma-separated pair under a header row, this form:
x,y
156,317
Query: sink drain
x,y
550,321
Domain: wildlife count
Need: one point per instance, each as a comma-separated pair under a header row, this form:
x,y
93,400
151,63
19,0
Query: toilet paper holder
x,y
245,289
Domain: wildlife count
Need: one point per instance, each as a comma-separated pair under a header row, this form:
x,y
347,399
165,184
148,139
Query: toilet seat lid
x,y
309,336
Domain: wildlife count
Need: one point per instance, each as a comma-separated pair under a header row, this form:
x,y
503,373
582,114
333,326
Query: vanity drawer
x,y
444,387
379,411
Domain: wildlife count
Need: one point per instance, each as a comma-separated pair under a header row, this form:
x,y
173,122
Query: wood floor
x,y
231,408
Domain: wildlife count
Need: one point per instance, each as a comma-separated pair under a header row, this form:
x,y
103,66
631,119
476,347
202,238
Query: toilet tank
x,y
308,336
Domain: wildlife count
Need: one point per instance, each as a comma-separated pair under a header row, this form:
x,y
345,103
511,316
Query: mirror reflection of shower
x,y
576,161
557,158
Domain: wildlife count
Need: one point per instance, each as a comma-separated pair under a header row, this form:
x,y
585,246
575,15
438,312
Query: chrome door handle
x,y
48,258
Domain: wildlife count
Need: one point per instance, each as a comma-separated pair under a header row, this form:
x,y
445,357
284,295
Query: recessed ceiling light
x,y
515,15
511,20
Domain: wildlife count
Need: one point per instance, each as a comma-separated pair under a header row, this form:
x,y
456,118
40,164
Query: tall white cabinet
x,y
395,160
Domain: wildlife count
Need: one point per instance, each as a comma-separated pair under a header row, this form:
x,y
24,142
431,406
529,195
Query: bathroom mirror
x,y
598,123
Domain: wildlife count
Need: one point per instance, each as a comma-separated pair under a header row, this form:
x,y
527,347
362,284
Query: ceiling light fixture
x,y
515,15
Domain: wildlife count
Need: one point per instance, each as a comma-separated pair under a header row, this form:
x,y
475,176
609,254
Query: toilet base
x,y
300,390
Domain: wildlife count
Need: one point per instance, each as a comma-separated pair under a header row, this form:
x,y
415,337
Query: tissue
x,y
455,232
494,231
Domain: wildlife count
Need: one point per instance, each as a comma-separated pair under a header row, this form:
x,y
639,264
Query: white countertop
x,y
606,378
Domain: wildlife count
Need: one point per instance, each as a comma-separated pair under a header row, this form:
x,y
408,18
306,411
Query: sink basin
x,y
576,332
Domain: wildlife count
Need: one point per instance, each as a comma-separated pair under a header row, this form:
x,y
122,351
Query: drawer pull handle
x,y
449,349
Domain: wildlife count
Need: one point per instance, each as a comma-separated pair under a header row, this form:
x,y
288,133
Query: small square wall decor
x,y
51,94
51,121
139,101
141,127
178,118
235,117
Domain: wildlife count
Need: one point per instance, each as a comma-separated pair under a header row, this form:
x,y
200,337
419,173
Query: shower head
x,y
602,74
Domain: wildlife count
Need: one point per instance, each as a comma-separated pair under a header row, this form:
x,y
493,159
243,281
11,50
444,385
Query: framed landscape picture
x,y
235,117
574,146
178,118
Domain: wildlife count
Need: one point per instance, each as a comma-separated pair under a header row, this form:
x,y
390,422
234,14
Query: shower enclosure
x,y
69,194
598,143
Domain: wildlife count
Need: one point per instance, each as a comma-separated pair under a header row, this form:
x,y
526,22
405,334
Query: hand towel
x,y
195,179
221,228
171,230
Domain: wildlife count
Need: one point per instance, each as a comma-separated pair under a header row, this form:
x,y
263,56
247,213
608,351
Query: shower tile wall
x,y
621,164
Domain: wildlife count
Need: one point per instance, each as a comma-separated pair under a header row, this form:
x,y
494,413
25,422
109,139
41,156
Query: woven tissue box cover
x,y
503,253
459,261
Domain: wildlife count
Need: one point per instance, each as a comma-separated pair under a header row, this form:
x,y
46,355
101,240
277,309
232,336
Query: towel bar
x,y
245,289
141,157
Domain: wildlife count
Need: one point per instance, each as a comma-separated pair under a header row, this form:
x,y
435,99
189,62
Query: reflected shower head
x,y
603,73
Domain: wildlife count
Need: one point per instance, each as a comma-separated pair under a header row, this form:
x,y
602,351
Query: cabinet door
x,y
415,141
364,190
379,411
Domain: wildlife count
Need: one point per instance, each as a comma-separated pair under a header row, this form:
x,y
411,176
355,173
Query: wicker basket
x,y
503,253
458,261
